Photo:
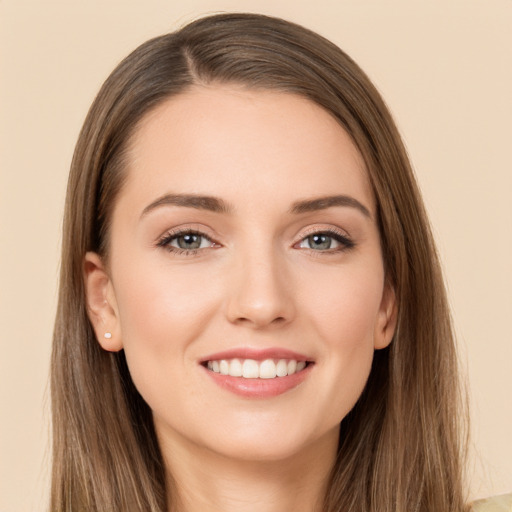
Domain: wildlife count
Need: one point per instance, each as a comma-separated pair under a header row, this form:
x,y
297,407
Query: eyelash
x,y
165,241
346,243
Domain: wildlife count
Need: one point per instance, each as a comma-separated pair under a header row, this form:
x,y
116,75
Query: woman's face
x,y
245,242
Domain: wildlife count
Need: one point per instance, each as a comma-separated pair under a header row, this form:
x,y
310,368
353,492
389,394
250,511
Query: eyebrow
x,y
218,205
322,203
209,203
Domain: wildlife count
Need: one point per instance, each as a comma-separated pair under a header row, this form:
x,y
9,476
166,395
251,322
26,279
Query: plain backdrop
x,y
444,68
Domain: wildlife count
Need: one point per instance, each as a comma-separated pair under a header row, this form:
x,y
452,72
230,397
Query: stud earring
x,y
108,335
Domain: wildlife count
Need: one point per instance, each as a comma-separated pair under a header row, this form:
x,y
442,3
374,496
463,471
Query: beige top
x,y
501,503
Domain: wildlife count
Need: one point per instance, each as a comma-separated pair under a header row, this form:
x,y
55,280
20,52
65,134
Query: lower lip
x,y
259,388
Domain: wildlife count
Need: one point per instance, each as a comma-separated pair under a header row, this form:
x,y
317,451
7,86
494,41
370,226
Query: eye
x,y
326,241
185,242
189,241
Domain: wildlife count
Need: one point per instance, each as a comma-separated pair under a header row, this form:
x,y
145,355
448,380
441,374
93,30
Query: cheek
x,y
345,309
344,317
160,299
161,313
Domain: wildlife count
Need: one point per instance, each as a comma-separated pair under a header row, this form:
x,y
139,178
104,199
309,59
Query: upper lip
x,y
256,354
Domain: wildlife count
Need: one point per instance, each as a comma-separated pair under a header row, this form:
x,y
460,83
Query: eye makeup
x,y
190,242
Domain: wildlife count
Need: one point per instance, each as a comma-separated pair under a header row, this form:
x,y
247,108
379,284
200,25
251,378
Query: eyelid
x,y
340,235
163,241
313,230
198,229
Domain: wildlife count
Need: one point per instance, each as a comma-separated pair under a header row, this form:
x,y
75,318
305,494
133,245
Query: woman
x,y
251,313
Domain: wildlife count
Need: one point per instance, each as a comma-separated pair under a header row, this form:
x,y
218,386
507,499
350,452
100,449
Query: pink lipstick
x,y
257,373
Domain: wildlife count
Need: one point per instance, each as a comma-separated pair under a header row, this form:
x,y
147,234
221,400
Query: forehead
x,y
244,145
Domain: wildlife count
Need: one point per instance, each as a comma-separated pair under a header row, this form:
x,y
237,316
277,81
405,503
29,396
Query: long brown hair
x,y
400,447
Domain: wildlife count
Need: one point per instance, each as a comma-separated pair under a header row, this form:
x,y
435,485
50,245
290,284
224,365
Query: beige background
x,y
444,68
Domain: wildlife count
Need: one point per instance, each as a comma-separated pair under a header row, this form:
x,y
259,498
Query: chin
x,y
260,450
269,441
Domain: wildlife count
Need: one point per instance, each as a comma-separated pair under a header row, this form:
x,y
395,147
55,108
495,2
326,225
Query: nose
x,y
260,294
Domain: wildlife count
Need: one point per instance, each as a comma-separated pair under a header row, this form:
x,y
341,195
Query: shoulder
x,y
501,503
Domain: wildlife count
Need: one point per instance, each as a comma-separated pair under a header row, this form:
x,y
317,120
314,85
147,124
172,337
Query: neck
x,y
204,481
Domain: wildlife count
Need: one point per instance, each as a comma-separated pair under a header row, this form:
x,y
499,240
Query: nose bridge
x,y
259,292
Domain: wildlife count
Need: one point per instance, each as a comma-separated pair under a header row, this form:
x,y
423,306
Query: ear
x,y
387,318
101,303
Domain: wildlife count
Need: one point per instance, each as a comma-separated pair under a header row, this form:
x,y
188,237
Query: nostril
x,y
261,321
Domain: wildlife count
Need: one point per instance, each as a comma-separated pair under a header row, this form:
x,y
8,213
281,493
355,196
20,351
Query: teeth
x,y
267,369
235,368
251,369
224,367
291,367
282,368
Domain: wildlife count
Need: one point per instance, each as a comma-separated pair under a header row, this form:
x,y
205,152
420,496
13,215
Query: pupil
x,y
320,241
189,241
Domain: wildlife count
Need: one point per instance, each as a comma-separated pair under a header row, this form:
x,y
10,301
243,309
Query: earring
x,y
108,335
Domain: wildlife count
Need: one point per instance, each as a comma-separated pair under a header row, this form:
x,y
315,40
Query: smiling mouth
x,y
253,369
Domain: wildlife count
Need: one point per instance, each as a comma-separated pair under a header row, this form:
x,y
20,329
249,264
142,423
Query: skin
x,y
257,281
